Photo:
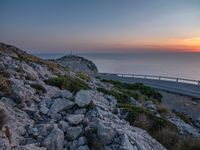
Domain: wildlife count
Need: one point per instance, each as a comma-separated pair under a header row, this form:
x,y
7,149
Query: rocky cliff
x,y
78,64
44,105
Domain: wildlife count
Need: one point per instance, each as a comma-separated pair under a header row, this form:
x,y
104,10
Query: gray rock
x,y
63,125
63,94
83,98
125,144
74,132
31,147
54,141
75,119
80,111
105,133
33,131
184,128
21,92
196,122
44,110
29,71
60,104
135,102
81,141
85,147
150,106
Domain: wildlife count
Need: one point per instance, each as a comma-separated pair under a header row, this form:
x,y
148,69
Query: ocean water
x,y
183,65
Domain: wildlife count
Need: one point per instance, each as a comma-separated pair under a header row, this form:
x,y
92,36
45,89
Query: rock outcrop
x,y
78,64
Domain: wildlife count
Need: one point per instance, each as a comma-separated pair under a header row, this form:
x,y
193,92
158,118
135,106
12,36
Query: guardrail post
x,y
199,83
176,79
133,75
159,77
145,76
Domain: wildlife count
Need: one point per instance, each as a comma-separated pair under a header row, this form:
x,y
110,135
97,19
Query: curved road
x,y
170,86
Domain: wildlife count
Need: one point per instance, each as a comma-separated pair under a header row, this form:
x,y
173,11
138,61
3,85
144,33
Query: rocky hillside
x,y
45,106
78,64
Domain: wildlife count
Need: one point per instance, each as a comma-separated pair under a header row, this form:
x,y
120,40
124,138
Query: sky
x,y
101,25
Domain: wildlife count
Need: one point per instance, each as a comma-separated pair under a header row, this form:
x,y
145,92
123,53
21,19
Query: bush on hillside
x,y
83,76
72,84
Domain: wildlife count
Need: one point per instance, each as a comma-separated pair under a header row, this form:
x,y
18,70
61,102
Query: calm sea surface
x,y
185,65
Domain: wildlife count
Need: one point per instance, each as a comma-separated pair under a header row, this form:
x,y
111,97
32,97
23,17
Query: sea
x,y
182,65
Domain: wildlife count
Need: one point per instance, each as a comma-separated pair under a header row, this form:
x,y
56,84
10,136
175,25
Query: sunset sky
x,y
101,25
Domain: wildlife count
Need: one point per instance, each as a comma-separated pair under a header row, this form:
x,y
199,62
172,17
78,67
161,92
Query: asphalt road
x,y
170,86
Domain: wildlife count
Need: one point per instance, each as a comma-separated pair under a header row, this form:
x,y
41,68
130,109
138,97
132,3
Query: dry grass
x,y
3,118
172,140
5,85
163,110
168,138
190,143
143,122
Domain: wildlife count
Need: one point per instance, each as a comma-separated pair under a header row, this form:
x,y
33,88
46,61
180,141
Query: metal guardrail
x,y
154,77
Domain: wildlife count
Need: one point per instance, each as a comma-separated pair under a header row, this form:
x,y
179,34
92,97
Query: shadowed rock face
x,y
78,64
57,119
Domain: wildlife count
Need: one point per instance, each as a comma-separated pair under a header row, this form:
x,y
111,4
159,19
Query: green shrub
x,y
72,84
39,88
120,97
145,90
83,76
90,106
153,122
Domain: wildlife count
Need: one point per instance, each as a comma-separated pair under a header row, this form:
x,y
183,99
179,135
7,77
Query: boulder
x,y
83,98
75,119
63,125
125,143
63,94
149,105
74,132
60,104
85,147
184,128
105,133
81,141
54,141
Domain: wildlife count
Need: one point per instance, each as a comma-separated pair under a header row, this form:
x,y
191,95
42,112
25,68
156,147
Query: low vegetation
x,y
5,85
172,140
39,88
141,88
72,84
140,117
83,76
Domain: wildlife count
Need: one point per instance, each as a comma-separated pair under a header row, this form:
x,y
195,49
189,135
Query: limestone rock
x,y
54,141
83,98
60,104
75,119
85,147
74,132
